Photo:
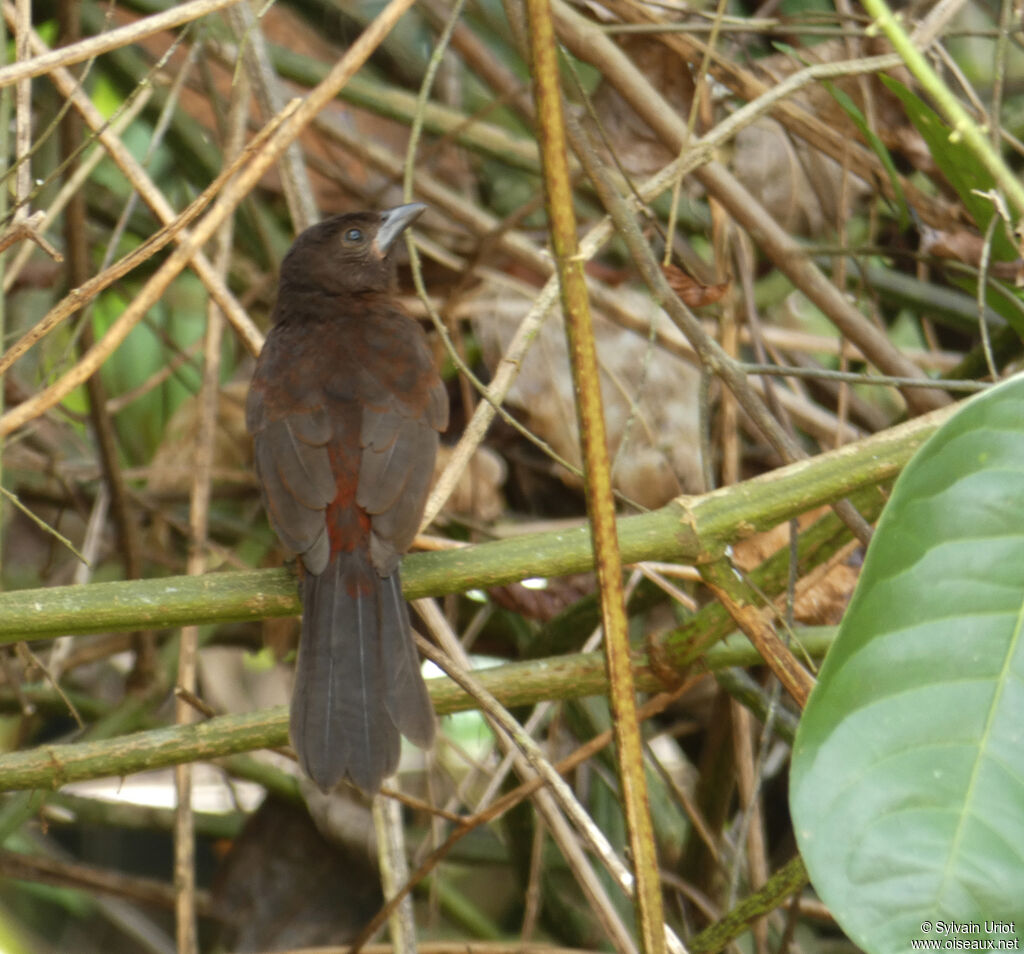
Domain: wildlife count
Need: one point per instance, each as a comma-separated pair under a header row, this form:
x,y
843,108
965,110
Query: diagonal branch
x,y
48,61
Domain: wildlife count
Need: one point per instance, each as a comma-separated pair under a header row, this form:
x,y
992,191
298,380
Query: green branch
x,y
572,676
690,529
789,879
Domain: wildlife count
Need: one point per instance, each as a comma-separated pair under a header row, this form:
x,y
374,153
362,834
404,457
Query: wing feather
x,y
297,482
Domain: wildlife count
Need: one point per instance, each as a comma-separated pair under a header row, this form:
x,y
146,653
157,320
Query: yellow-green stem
x,y
950,107
600,502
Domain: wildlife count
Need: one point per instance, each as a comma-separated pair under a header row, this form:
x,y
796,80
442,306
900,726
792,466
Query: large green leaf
x,y
907,784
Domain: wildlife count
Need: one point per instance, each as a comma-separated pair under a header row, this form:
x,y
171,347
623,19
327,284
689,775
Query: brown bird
x,y
345,409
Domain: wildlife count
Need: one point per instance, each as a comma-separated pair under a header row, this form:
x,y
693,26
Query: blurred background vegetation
x,y
111,472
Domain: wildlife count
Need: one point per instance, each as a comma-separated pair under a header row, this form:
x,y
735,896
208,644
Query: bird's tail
x,y
357,684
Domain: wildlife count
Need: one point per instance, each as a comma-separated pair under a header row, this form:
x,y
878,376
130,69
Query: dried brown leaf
x,y
967,247
691,291
544,604
822,596
650,396
478,492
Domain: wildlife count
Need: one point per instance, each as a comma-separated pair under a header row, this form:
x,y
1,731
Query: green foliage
x,y
178,323
971,180
908,770
958,163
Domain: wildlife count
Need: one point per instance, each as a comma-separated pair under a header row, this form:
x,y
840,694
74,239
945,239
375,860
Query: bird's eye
x,y
354,235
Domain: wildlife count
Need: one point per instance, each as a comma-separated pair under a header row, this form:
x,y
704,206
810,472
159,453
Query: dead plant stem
x,y
597,473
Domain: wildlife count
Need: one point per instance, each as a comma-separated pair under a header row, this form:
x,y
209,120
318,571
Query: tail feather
x,y
405,694
357,682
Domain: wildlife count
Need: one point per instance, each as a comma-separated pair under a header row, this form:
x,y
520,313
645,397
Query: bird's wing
x,y
399,438
295,473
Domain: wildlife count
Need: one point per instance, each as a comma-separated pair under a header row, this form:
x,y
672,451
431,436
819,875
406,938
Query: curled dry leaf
x,y
650,396
691,291
967,247
478,492
544,604
821,598
802,188
636,146
891,124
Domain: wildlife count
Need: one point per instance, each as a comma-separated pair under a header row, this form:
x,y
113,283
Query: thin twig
x,y
83,294
298,190
71,186
499,807
551,801
30,228
962,125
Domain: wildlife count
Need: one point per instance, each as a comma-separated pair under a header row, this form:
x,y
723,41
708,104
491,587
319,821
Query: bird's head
x,y
349,254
